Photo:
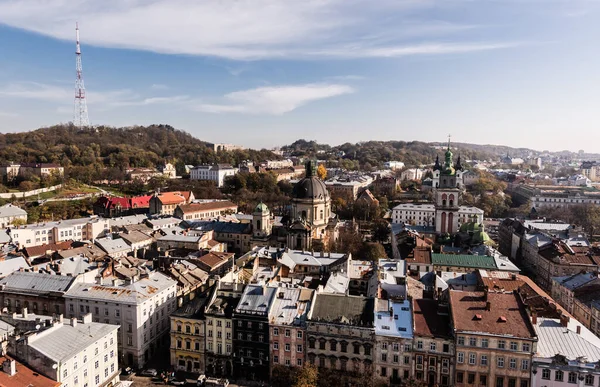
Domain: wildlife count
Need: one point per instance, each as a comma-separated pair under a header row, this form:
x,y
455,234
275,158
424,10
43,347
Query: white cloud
x,y
159,86
275,100
347,77
246,29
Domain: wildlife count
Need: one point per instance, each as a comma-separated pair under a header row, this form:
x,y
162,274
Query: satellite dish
x,y
37,327
54,366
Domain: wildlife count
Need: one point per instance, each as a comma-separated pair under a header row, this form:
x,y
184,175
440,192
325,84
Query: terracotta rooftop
x,y
39,250
172,198
215,259
140,201
506,315
419,255
428,322
24,377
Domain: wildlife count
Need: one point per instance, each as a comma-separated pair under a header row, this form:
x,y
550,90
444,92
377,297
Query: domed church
x,y
312,219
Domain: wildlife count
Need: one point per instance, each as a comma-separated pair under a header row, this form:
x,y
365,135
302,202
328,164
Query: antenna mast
x,y
80,112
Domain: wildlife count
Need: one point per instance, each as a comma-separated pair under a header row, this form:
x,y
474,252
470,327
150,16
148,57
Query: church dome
x,y
311,187
261,208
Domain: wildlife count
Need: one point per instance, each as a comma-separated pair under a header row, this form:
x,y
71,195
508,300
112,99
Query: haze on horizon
x,y
263,73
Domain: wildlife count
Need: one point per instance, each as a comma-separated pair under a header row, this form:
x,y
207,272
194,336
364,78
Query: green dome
x,y
262,208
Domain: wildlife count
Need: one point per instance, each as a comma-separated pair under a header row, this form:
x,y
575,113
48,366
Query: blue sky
x,y
262,73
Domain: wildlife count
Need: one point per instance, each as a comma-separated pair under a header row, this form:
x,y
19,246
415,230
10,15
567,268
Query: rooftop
x,y
429,322
464,260
132,293
393,318
63,341
24,376
35,283
343,309
290,306
553,338
505,317
9,210
112,246
256,299
207,206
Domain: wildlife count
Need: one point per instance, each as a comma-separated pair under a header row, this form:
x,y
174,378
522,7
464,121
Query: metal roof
x,y
62,342
287,309
113,245
256,299
394,318
464,260
8,210
553,338
36,282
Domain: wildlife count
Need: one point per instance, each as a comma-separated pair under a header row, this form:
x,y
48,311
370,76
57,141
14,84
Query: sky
x,y
263,73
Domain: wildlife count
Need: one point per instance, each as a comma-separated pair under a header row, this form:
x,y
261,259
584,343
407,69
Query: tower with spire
x,y
447,185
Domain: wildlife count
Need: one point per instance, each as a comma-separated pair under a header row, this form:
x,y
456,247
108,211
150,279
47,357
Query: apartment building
x,y
165,203
216,173
495,339
140,305
287,326
10,214
203,211
59,231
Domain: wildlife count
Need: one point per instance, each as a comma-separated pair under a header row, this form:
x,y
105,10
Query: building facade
x,y
216,173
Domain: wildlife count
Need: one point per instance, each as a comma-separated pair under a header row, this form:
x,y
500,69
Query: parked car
x,y
214,382
149,372
200,381
127,371
178,382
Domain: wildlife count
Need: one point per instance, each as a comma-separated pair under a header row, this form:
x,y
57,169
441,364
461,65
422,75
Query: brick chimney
x,y
534,317
578,329
564,320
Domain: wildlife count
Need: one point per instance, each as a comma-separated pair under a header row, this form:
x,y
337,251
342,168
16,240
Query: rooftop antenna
x,y
80,112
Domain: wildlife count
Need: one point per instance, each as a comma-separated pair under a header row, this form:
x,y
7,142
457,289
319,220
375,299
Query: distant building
x,y
393,165
59,231
219,147
11,170
206,210
216,173
10,213
412,174
165,203
169,171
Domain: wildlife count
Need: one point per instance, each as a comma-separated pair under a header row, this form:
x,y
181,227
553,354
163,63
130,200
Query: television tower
x,y
80,112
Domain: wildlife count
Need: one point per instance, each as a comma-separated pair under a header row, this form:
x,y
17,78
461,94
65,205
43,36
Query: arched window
x,y
258,224
451,201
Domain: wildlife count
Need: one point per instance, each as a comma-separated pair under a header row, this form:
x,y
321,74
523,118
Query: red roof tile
x,y
140,201
24,377
428,322
39,250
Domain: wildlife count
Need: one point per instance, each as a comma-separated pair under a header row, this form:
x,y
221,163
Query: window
x,y
275,332
333,345
500,362
524,365
460,357
65,373
299,348
276,345
546,374
482,380
383,371
356,348
97,379
499,381
395,347
287,347
484,360
96,364
471,378
384,357
459,377
406,359
512,364
419,344
558,376
472,358
571,377
501,344
589,380
432,346
344,346
322,344
275,359
512,382
484,343
384,345
526,347
513,345
261,338
311,344
287,333
472,341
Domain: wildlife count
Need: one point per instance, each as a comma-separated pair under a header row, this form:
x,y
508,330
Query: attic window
x,y
402,329
477,317
385,327
395,317
502,319
114,292
404,308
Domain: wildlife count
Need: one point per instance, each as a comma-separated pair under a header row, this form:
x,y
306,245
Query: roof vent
x,y
477,317
502,319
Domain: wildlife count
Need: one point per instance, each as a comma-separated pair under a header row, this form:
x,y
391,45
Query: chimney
x,y
87,318
73,322
61,319
322,253
578,329
564,320
488,306
485,293
24,312
10,367
534,317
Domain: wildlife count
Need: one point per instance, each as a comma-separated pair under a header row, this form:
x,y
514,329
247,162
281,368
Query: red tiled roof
x,y
214,259
172,198
112,202
36,251
24,377
507,316
140,201
427,320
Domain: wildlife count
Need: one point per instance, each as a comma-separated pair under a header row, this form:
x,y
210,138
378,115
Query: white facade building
x,y
412,174
140,306
216,173
424,214
74,353
393,165
59,231
10,213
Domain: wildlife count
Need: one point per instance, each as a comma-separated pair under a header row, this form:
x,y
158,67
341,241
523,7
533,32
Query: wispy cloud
x,y
152,101
8,114
275,100
159,86
346,77
248,29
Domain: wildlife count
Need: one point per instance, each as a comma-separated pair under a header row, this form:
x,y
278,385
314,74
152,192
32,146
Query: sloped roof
x,y
113,245
25,376
428,322
36,283
140,201
39,250
256,299
8,210
208,206
553,338
464,260
343,309
172,198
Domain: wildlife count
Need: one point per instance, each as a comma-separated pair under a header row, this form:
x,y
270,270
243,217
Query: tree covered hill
x,y
87,154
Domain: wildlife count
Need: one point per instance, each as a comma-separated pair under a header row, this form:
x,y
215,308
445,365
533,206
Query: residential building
x,y
425,215
393,165
412,174
53,232
165,203
73,352
393,340
567,354
237,236
348,186
115,247
495,340
188,335
433,344
577,293
10,214
11,170
340,334
216,173
140,305
17,374
219,321
206,210
287,326
38,292
251,333
299,264
215,262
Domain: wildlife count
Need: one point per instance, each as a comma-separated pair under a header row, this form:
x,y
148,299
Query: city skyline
x,y
265,73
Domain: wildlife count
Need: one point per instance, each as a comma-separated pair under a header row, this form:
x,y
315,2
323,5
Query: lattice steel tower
x,y
80,112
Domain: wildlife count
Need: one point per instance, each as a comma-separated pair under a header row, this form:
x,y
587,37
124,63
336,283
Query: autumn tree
x,y
307,376
322,172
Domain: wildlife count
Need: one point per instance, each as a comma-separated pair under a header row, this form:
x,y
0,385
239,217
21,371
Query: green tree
x,y
381,231
307,376
371,251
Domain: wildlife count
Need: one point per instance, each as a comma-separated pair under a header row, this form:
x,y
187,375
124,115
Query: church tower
x,y
447,185
261,221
